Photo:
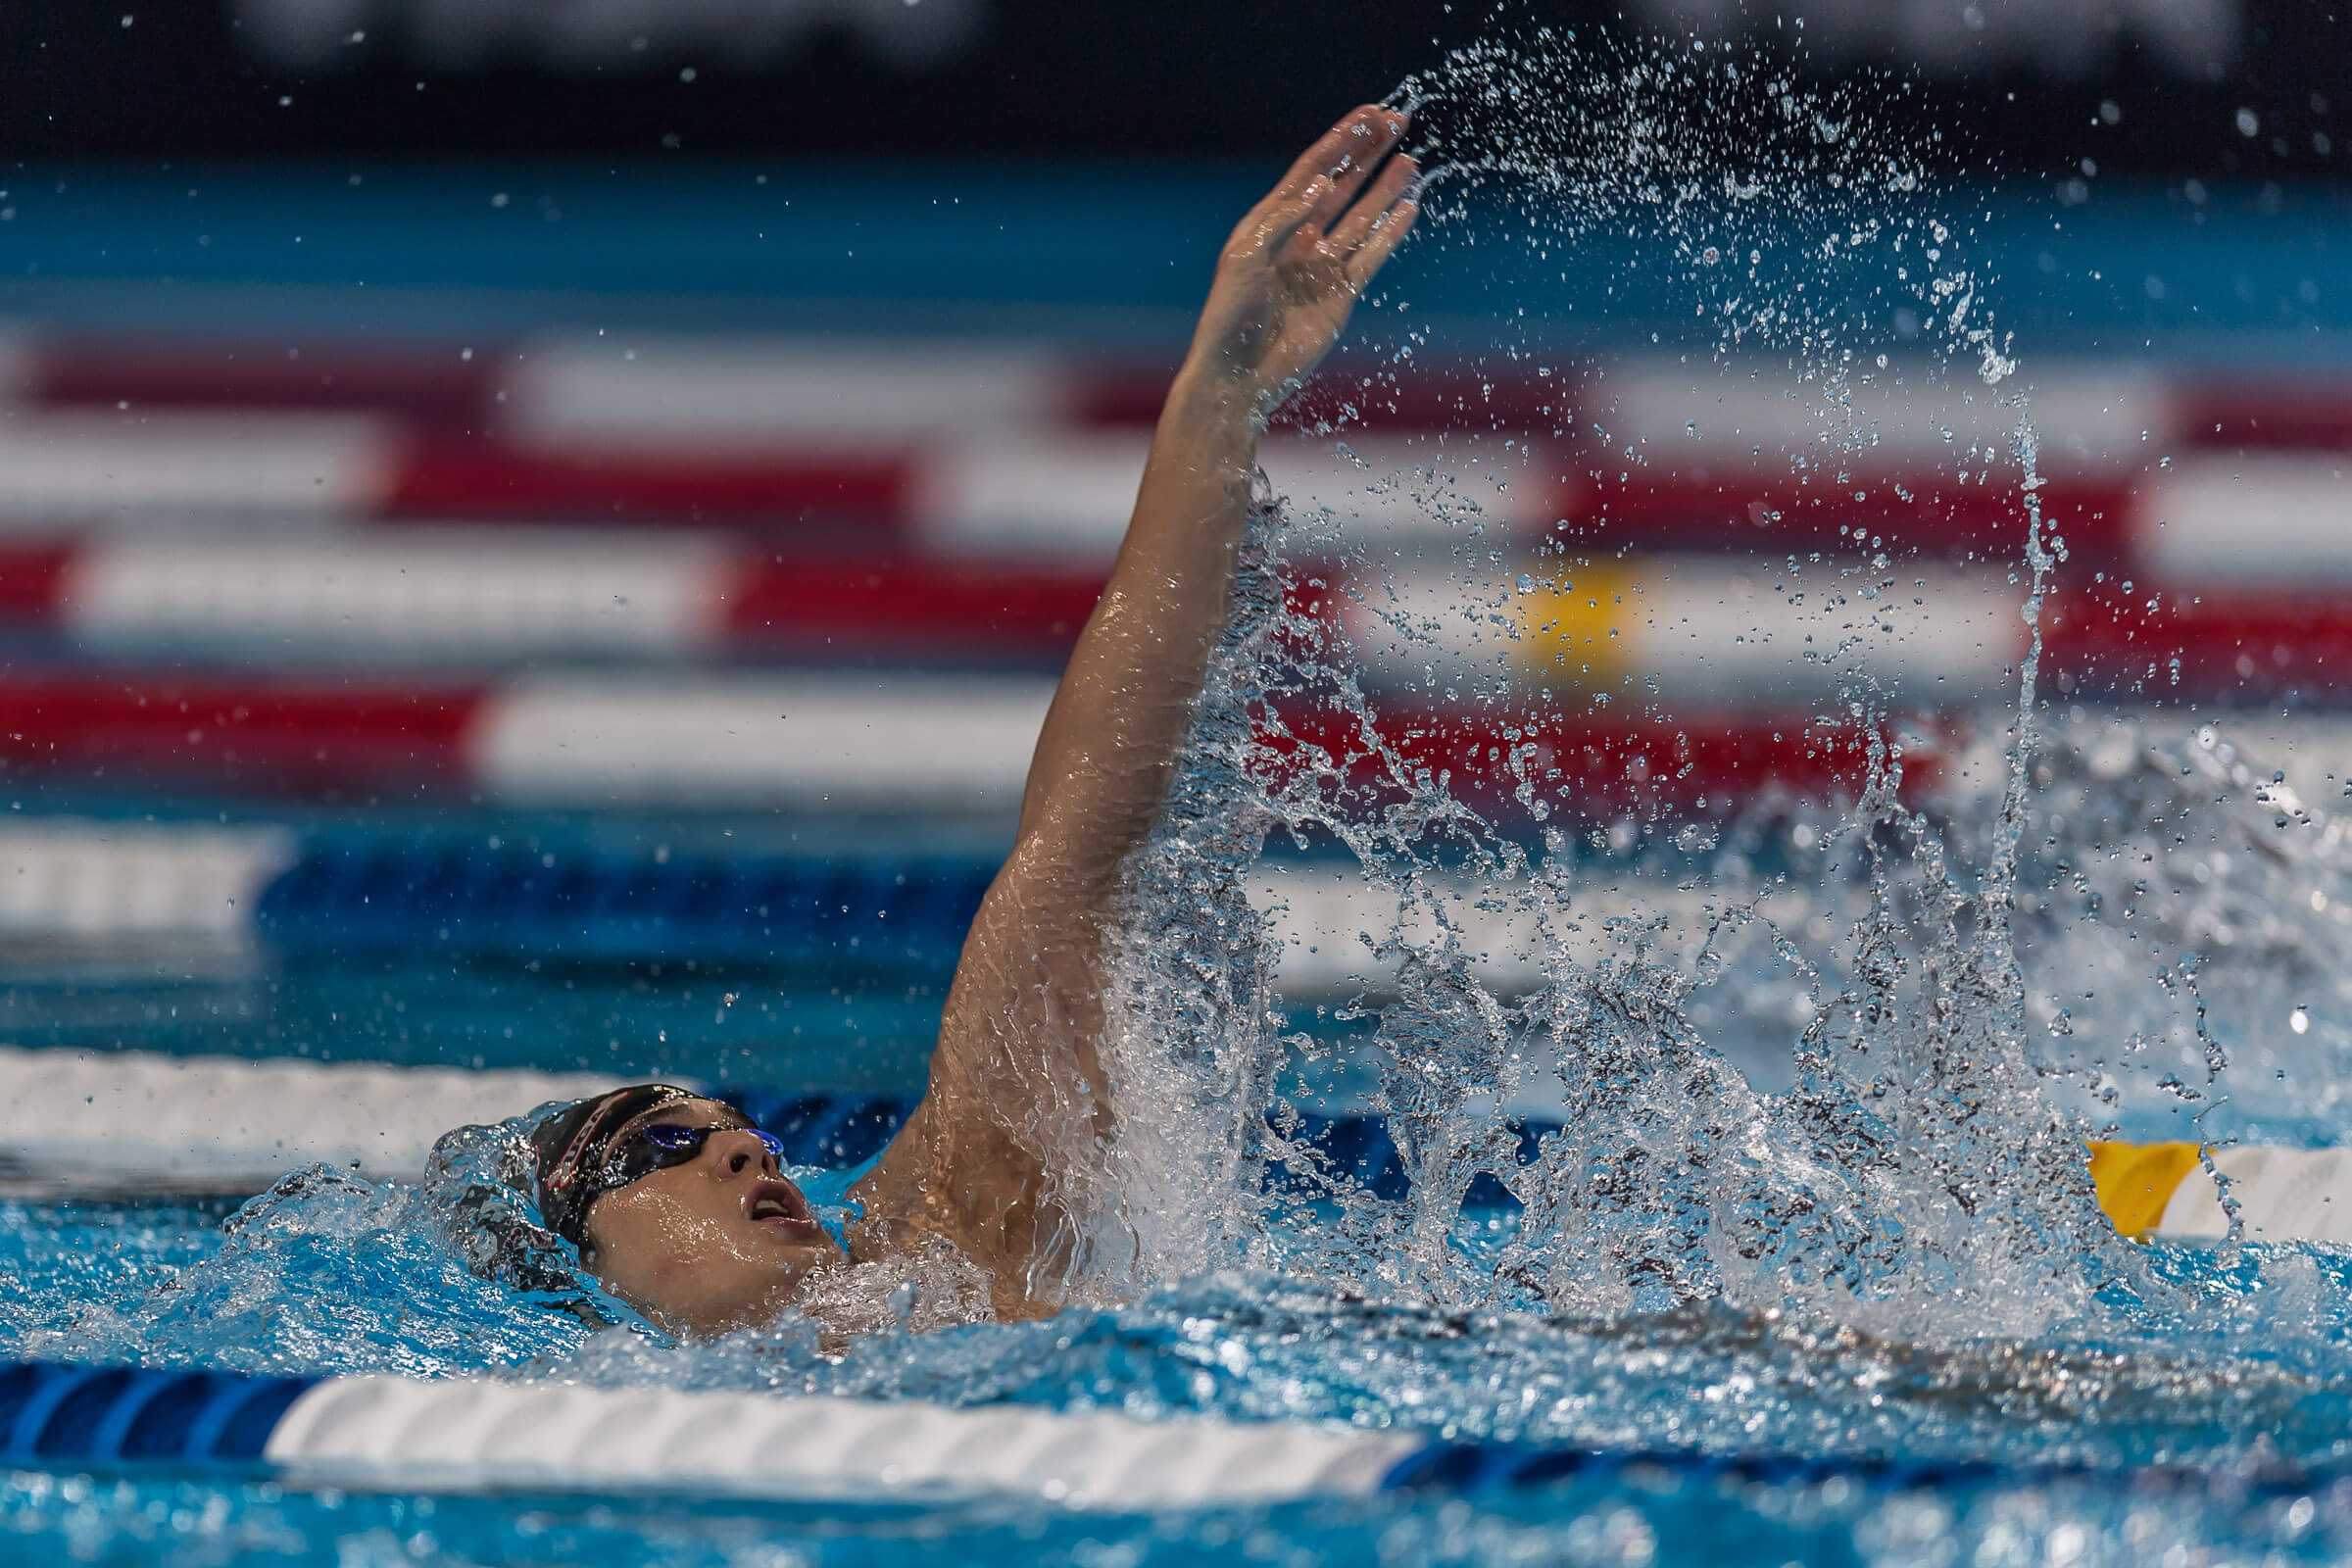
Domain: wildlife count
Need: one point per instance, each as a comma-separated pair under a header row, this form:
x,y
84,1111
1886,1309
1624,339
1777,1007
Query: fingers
x,y
1399,176
1365,139
1354,135
1271,224
1386,232
1322,182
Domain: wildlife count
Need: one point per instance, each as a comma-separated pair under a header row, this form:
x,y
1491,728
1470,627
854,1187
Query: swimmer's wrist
x,y
1211,401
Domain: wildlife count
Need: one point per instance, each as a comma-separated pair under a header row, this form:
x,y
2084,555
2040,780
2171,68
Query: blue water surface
x,y
329,1275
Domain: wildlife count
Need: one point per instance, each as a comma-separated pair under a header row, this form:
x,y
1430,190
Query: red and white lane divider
x,y
1751,511
1030,497
849,741
1683,630
421,596
1014,495
2089,417
91,462
2247,523
1068,498
2266,521
1014,447
929,742
1698,631
127,884
2155,639
708,392
664,394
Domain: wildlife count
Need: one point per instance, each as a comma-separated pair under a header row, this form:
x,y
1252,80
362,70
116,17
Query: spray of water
x,y
1915,1180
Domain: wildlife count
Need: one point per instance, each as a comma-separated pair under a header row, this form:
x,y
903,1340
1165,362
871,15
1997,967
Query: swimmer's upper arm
x,y
1015,1102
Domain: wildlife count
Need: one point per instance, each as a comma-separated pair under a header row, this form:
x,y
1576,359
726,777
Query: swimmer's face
x,y
722,1242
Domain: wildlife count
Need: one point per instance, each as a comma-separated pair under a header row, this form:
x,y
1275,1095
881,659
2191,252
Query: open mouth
x,y
778,1206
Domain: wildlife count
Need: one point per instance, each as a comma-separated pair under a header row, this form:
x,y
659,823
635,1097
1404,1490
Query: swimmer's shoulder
x,y
935,1183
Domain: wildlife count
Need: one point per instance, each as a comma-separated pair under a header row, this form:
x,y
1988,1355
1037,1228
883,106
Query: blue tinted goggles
x,y
663,1145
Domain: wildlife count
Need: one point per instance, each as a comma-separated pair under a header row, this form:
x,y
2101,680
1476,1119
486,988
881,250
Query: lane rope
x,y
474,1435
93,1123
100,1122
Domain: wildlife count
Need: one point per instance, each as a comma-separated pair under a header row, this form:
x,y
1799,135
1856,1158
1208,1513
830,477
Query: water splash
x,y
1915,1180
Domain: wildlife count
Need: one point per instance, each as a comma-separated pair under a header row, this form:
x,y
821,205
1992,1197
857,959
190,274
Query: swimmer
x,y
678,1204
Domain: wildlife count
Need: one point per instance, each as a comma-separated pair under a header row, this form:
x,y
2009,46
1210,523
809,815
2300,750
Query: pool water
x,y
1828,1525
343,1278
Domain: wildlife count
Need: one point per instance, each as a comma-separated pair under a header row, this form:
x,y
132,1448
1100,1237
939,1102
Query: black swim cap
x,y
572,1144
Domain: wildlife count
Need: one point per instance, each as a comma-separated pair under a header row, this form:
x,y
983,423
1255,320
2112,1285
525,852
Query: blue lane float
x,y
481,1434
52,1415
350,891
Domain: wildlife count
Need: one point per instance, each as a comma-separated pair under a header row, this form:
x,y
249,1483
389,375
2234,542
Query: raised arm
x,y
1285,285
993,1157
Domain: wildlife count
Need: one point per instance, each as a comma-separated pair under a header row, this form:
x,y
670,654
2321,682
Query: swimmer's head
x,y
679,1206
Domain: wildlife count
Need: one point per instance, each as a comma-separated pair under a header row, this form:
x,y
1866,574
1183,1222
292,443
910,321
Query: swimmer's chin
x,y
797,1267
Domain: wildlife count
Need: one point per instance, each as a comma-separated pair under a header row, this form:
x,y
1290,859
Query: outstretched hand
x,y
1294,267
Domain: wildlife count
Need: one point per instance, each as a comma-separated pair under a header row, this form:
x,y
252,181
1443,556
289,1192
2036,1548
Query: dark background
x,y
2016,85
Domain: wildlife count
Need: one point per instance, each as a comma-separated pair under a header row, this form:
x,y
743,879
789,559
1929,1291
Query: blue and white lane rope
x,y
100,1121
476,1435
238,892
97,881
469,1434
97,1122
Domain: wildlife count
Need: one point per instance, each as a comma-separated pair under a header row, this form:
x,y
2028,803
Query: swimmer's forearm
x,y
1109,742
1286,282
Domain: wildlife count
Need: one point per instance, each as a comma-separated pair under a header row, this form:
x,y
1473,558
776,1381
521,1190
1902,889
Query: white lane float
x,y
473,1435
101,1122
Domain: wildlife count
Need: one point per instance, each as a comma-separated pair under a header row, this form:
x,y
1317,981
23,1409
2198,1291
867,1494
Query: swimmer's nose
x,y
740,1152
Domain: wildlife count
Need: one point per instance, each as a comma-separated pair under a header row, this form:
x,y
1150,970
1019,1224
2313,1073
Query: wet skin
x,y
722,1242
